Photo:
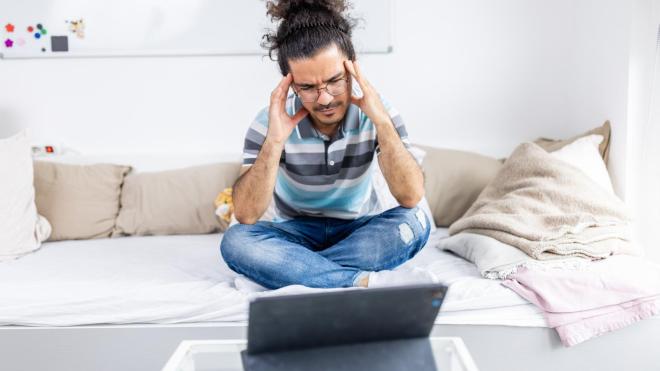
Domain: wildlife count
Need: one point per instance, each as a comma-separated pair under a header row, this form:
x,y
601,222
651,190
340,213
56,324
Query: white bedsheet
x,y
182,279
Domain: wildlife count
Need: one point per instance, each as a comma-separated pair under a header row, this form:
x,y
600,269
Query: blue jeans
x,y
324,252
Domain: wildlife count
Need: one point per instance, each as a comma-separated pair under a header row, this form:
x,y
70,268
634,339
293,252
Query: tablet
x,y
293,322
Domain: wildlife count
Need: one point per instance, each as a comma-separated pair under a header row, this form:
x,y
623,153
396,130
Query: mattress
x,y
182,279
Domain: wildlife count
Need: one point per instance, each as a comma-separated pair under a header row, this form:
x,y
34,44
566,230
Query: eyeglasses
x,y
311,94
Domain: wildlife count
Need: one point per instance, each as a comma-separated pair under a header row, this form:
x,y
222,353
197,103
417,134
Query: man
x,y
312,152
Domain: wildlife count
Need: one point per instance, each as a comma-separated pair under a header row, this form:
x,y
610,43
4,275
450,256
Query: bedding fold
x,y
548,209
496,260
607,295
183,279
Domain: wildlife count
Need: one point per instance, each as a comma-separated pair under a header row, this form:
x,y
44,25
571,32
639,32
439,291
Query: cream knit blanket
x,y
548,209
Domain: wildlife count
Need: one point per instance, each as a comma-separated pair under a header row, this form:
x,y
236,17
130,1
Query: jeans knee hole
x,y
421,218
406,233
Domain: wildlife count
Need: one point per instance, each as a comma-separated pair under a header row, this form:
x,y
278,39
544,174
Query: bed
x,y
126,303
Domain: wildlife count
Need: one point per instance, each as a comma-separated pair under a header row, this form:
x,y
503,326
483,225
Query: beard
x,y
324,120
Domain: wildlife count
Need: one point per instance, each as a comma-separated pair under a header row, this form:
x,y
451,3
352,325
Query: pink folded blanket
x,y
581,304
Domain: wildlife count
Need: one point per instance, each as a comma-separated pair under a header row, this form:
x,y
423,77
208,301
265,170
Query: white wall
x,y
476,74
642,186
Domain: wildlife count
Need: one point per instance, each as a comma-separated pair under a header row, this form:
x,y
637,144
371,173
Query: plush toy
x,y
224,205
224,209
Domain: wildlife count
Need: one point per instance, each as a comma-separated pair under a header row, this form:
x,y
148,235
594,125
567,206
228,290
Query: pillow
x,y
605,130
385,197
175,201
584,155
21,229
497,260
80,201
453,180
141,162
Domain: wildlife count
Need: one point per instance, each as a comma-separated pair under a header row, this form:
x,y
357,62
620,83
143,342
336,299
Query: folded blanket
x,y
548,209
605,296
496,260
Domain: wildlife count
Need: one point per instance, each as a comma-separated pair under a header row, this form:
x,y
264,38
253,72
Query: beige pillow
x,y
79,201
605,130
453,180
174,201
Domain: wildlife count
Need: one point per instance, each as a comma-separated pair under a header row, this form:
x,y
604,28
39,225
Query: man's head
x,y
311,42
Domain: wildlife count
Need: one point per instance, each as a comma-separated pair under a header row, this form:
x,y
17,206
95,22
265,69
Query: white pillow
x,y
21,229
385,197
584,155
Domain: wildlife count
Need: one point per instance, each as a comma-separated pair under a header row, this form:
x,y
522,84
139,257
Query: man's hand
x,y
280,124
370,102
403,175
253,190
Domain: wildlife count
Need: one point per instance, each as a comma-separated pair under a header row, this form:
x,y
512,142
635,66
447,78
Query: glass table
x,y
434,353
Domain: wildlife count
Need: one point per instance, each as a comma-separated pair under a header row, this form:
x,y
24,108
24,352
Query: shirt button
x,y
332,163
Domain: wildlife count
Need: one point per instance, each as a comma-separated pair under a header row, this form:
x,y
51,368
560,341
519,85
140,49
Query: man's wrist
x,y
274,143
381,121
273,148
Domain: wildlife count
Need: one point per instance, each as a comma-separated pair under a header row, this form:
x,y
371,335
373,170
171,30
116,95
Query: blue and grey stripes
x,y
321,176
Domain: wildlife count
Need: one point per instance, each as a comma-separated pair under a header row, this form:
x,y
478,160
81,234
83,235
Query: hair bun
x,y
306,26
287,9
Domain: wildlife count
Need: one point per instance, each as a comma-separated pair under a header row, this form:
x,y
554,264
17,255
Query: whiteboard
x,y
160,27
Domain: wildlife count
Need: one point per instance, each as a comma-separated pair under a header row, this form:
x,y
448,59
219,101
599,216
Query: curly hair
x,y
306,27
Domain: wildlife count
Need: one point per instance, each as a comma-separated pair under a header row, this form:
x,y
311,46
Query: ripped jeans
x,y
324,252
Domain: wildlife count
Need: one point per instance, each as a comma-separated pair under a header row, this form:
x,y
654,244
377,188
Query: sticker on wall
x,y
77,27
37,32
36,37
59,43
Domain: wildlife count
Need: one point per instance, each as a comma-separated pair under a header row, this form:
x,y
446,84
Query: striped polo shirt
x,y
322,176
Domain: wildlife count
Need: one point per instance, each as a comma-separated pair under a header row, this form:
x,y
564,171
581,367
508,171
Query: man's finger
x,y
349,66
288,79
283,86
356,100
278,97
356,66
302,112
358,72
285,82
351,70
